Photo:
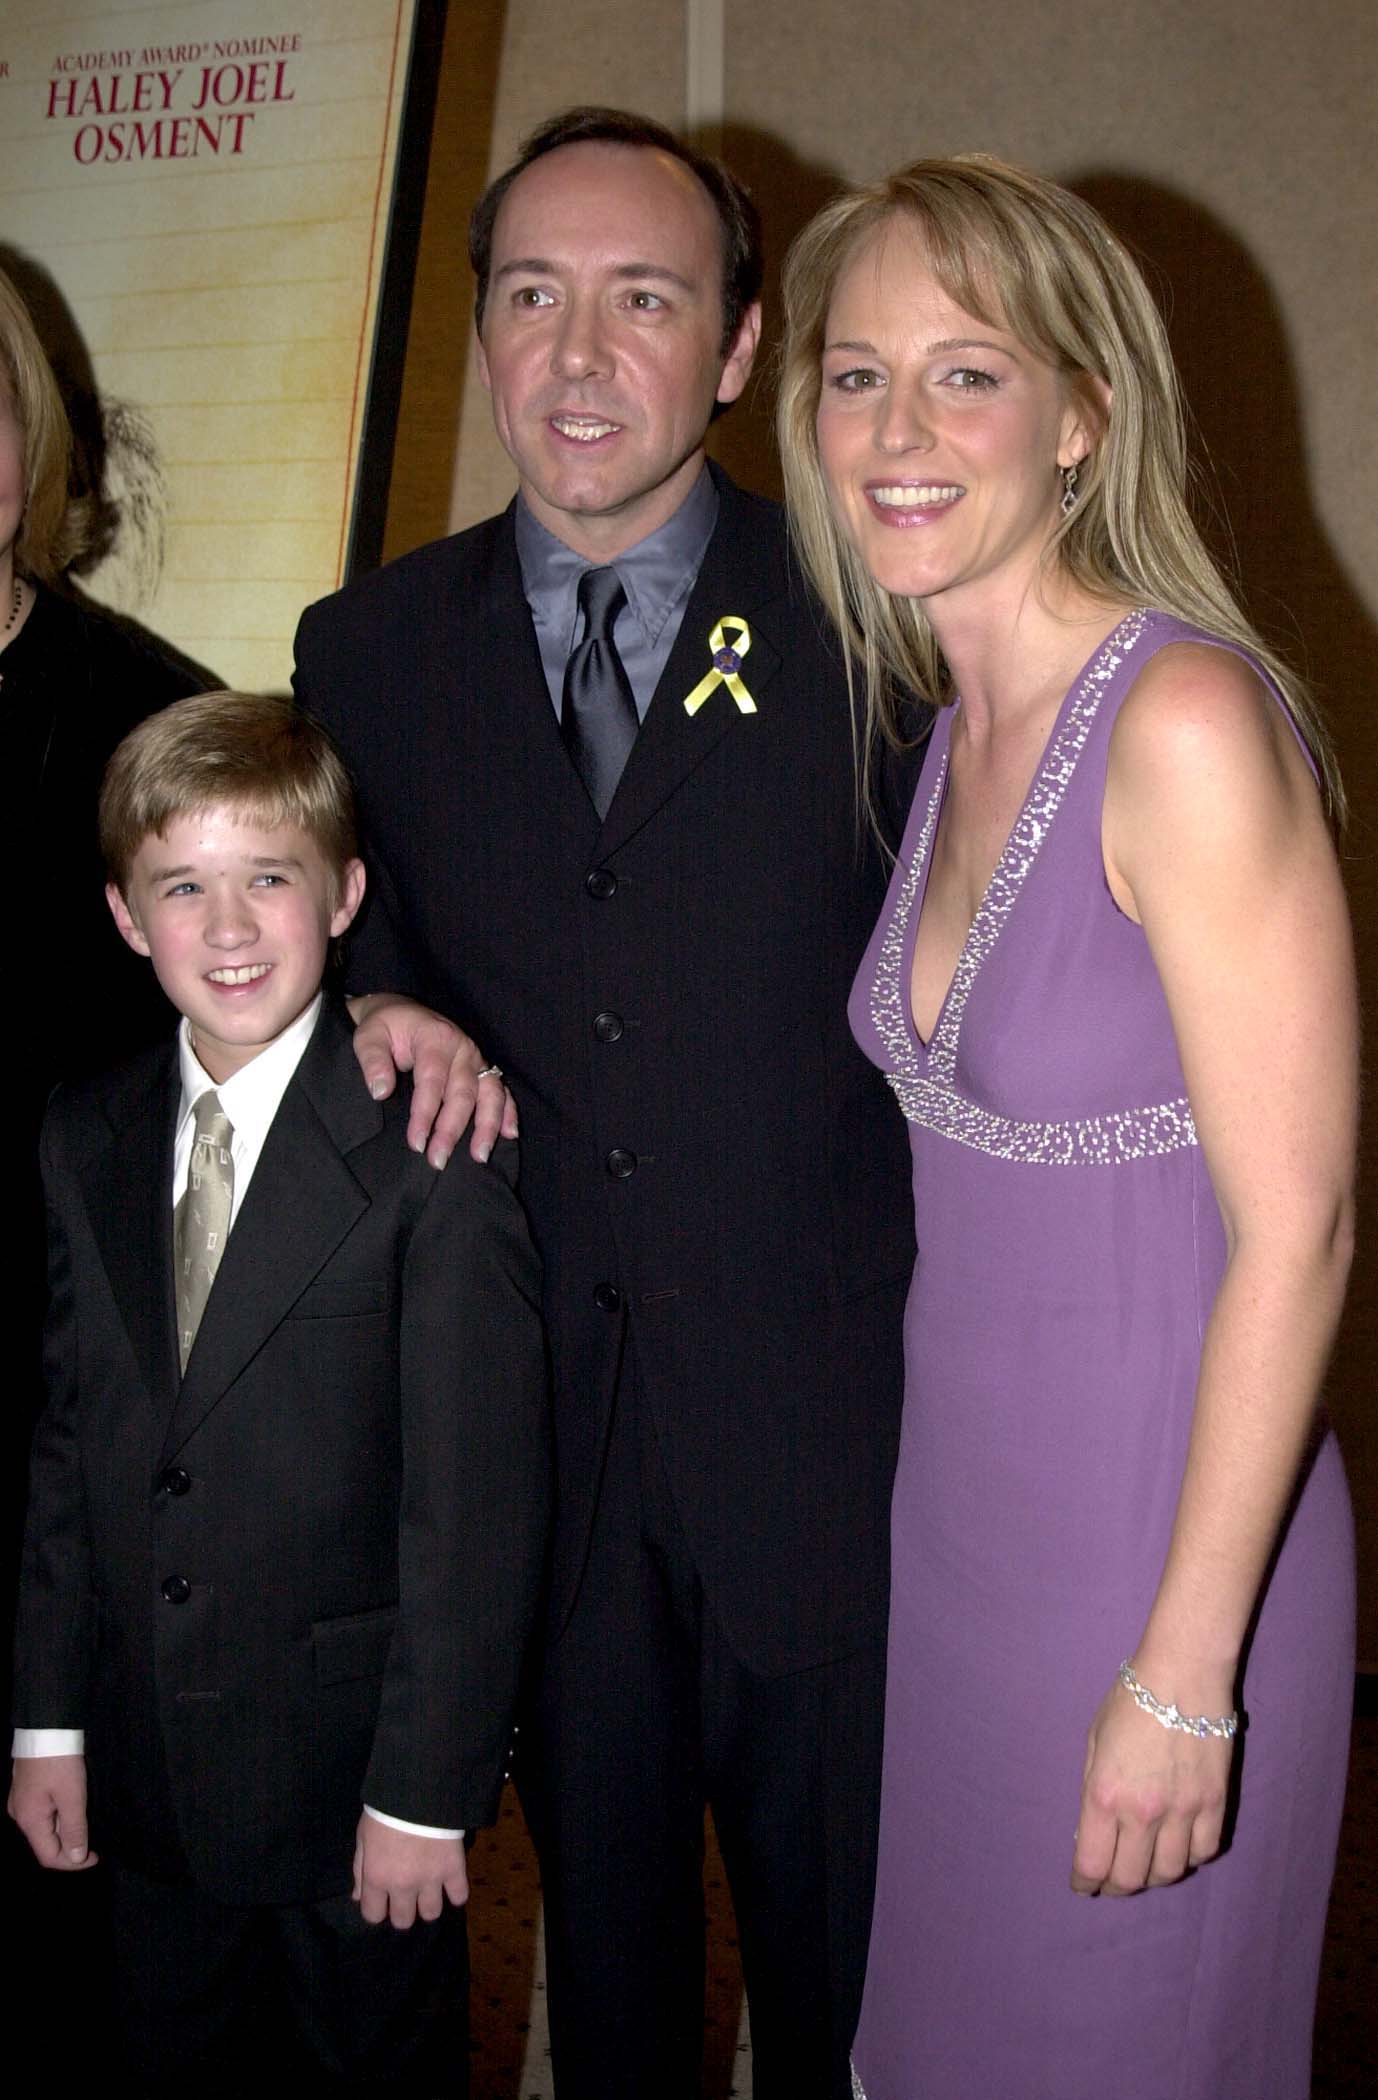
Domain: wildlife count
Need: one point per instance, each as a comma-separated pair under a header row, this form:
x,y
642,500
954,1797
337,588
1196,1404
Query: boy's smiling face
x,y
237,919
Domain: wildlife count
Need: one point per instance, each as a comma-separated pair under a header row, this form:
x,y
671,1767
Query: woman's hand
x,y
451,1079
1152,1799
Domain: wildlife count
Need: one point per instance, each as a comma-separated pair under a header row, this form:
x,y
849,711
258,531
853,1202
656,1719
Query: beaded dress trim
x,y
858,2090
925,1084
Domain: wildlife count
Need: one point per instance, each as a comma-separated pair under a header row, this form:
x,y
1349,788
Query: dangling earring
x,y
1069,488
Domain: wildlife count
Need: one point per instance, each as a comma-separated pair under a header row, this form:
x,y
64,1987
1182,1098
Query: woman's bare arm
x,y
1215,842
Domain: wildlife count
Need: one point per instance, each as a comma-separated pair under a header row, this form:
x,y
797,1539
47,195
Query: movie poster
x,y
199,197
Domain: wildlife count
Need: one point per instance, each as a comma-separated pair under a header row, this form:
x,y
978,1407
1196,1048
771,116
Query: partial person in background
x,y
72,682
1112,989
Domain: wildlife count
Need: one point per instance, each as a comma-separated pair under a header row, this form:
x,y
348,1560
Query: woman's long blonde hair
x,y
1021,253
54,528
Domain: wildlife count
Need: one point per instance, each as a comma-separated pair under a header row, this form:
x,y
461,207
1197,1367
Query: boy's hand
x,y
403,1877
451,1080
48,1802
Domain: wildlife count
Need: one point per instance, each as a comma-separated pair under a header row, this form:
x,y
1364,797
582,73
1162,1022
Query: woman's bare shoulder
x,y
1200,721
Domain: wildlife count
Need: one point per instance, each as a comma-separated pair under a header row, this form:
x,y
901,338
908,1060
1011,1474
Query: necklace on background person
x,y
16,603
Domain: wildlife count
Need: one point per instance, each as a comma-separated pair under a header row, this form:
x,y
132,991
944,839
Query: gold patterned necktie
x,y
201,1221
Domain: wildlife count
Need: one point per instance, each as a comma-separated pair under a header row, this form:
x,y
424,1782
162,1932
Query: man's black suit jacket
x,y
716,1180
302,1576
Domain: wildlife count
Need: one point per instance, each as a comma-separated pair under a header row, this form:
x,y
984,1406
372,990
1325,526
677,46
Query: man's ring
x,y
490,1072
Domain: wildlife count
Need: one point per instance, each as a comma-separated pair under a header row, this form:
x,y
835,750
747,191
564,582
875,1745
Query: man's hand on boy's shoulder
x,y
48,1802
450,1080
400,1876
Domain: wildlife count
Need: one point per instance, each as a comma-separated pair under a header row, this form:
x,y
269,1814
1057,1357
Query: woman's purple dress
x,y
1069,1251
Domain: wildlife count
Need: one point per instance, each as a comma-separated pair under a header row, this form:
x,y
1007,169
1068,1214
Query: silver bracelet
x,y
1168,1716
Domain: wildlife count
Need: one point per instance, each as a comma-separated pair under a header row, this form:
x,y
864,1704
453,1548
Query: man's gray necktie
x,y
201,1221
598,719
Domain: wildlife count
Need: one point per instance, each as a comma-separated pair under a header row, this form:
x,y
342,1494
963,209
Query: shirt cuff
x,y
49,1742
416,1830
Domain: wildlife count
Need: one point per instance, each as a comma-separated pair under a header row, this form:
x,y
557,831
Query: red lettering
x,y
166,138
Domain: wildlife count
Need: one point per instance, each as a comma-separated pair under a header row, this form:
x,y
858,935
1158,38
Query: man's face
x,y
602,339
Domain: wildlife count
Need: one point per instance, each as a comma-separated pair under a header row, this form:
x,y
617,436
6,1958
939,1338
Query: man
x,y
605,763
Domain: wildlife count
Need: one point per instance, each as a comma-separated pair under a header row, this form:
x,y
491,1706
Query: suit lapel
x,y
300,1205
735,578
740,574
130,1207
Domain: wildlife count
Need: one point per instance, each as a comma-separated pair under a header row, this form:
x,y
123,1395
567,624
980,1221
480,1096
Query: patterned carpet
x,y
511,2059
509,2038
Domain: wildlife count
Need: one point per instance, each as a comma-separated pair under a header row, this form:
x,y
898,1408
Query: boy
x,y
289,1490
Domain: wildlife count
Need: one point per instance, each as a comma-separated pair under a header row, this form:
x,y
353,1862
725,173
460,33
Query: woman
x,y
71,682
1112,990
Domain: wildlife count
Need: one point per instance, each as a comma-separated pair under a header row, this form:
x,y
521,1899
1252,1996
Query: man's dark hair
x,y
738,219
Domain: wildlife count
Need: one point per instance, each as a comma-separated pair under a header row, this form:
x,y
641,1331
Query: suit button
x,y
607,1297
621,1164
607,1027
176,1589
600,883
175,1481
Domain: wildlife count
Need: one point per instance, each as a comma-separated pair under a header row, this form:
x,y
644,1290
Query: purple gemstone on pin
x,y
726,660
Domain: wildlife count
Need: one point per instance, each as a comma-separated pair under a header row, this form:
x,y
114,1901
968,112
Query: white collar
x,y
252,1096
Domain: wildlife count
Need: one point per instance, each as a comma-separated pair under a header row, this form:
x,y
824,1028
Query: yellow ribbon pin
x,y
727,659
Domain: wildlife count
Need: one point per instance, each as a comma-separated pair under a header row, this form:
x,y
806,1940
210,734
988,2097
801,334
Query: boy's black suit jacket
x,y
302,1576
717,1181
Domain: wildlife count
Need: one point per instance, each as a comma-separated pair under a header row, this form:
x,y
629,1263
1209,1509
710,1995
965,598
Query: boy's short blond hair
x,y
257,754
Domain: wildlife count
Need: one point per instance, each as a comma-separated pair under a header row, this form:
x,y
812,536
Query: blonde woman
x,y
1112,991
72,681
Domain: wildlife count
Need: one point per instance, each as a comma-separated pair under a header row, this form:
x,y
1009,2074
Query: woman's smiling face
x,y
941,436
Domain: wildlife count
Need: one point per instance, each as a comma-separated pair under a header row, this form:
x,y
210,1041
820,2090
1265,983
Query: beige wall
x,y
1229,140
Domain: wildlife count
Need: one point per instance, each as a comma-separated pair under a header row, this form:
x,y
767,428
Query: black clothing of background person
x,y
72,683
